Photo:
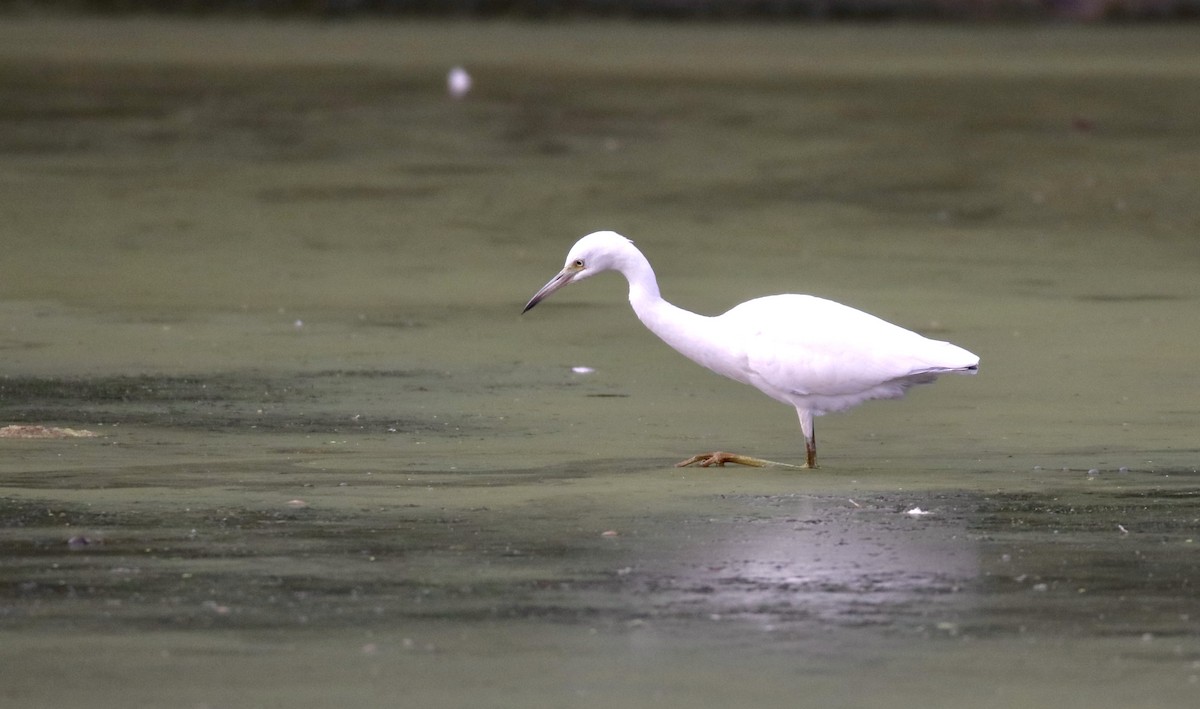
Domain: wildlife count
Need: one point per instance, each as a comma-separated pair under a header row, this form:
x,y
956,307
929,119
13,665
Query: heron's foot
x,y
720,458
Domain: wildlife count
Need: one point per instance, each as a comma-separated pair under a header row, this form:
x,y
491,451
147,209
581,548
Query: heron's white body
x,y
815,354
806,351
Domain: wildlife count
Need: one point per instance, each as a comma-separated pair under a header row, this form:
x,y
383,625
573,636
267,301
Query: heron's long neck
x,y
674,325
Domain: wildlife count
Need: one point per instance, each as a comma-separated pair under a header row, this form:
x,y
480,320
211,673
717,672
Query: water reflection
x,y
802,559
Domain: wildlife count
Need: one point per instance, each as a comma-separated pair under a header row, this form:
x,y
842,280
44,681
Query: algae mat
x,y
278,272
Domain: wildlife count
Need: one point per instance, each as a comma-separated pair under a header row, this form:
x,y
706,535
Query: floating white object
x,y
582,370
36,431
458,82
918,512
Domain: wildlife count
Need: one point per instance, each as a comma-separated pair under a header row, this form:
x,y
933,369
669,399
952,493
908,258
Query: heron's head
x,y
594,253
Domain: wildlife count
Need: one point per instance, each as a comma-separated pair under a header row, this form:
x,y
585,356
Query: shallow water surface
x,y
279,274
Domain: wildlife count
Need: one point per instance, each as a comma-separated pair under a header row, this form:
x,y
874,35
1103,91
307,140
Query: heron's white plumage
x,y
815,354
828,357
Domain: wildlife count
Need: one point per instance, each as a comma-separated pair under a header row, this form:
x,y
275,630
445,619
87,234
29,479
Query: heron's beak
x,y
563,278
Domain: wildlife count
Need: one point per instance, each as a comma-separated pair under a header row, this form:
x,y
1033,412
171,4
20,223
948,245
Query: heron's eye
x,y
577,263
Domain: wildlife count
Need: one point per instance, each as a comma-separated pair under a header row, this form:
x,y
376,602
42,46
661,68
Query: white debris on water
x,y
458,82
34,431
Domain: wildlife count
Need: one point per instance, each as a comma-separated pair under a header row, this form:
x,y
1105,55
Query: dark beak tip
x,y
562,279
529,306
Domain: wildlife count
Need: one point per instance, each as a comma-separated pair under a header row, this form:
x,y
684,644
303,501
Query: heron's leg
x,y
720,458
810,435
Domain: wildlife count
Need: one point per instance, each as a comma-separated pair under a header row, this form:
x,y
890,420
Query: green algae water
x,y
279,273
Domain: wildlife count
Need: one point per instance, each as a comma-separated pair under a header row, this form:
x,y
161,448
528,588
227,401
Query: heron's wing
x,y
808,346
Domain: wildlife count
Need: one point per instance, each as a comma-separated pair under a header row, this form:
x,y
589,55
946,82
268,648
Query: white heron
x,y
814,354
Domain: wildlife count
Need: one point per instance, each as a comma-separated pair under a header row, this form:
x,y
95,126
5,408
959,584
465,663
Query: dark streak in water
x,y
1129,298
